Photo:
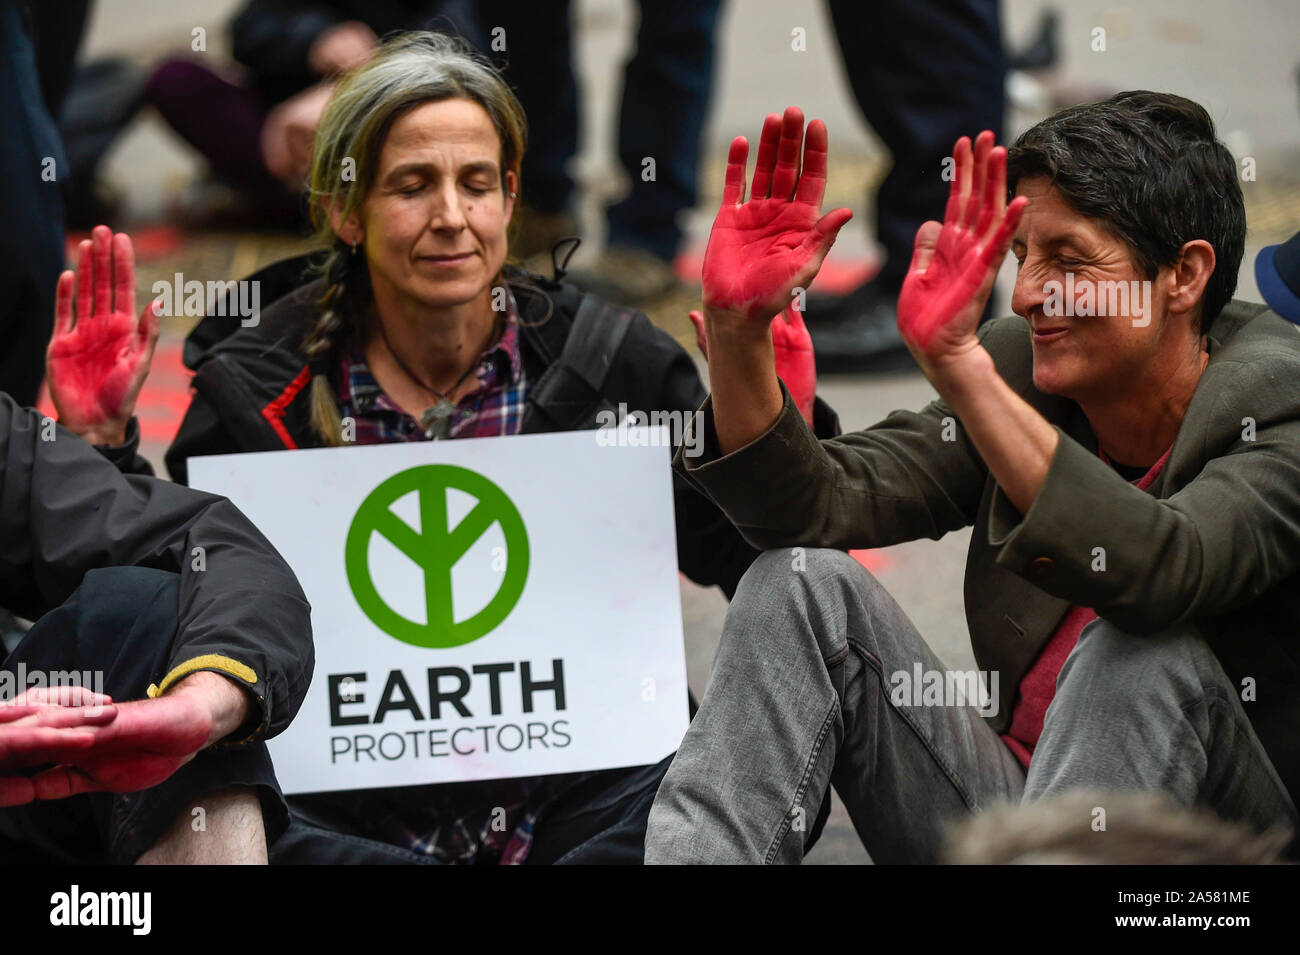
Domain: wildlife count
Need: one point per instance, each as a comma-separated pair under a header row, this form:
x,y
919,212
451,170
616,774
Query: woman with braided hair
x,y
412,327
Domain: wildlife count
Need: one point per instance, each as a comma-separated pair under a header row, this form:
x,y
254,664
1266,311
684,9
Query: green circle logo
x,y
435,549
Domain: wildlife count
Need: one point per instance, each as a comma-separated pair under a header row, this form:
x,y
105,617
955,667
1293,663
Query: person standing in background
x,y
32,163
923,72
666,88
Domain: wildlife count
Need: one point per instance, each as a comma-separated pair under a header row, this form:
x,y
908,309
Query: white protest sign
x,y
482,608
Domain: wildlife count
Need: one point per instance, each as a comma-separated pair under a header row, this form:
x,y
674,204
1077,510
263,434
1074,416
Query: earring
x,y
514,195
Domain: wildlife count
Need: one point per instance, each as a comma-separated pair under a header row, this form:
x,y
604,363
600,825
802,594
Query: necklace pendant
x,y
437,420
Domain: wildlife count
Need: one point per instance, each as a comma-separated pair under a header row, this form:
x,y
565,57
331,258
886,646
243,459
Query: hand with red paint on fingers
x,y
98,359
955,263
762,249
150,739
46,725
796,363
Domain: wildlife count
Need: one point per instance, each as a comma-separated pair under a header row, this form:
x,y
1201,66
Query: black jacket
x,y
65,511
251,394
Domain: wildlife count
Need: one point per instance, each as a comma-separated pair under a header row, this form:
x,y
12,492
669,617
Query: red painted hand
x,y
761,250
97,364
954,264
146,742
46,726
796,364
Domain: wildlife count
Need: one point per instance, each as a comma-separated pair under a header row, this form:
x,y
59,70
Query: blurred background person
x,y
666,87
252,120
924,73
32,167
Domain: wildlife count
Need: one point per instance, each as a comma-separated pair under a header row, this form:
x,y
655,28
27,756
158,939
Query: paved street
x,y
1239,60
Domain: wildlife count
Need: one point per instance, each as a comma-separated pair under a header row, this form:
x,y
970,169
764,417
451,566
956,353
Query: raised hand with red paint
x,y
955,263
762,249
97,361
796,364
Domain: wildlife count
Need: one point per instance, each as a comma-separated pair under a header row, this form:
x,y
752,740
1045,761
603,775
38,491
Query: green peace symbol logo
x,y
435,550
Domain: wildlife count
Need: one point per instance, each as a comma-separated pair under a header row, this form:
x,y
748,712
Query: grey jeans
x,y
802,697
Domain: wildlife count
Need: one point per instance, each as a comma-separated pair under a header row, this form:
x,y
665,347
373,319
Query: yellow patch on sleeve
x,y
208,661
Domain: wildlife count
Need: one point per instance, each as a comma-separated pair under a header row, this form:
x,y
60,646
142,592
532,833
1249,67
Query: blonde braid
x,y
325,336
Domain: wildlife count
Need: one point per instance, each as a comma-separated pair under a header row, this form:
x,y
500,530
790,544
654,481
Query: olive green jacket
x,y
1215,541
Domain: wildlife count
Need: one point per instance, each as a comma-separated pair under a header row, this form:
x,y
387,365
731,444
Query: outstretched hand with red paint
x,y
796,364
46,725
97,361
760,250
954,263
148,740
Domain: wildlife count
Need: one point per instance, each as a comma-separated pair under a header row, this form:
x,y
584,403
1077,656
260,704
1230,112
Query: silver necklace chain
x,y
436,419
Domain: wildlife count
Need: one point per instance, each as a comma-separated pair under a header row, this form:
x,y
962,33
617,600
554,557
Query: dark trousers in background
x,y
223,120
665,100
32,164
924,73
121,622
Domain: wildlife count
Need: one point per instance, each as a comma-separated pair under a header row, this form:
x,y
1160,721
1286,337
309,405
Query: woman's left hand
x,y
954,264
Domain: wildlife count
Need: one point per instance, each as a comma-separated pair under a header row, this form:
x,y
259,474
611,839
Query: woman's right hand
x,y
761,249
98,359
760,252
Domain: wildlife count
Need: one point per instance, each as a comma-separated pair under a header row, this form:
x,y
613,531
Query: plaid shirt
x,y
456,823
494,408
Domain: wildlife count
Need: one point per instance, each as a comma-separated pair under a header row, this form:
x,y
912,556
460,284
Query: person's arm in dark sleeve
x,y
65,510
710,551
273,38
915,474
201,432
1228,536
710,548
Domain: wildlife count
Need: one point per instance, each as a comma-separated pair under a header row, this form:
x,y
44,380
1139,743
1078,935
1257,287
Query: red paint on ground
x,y
874,560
